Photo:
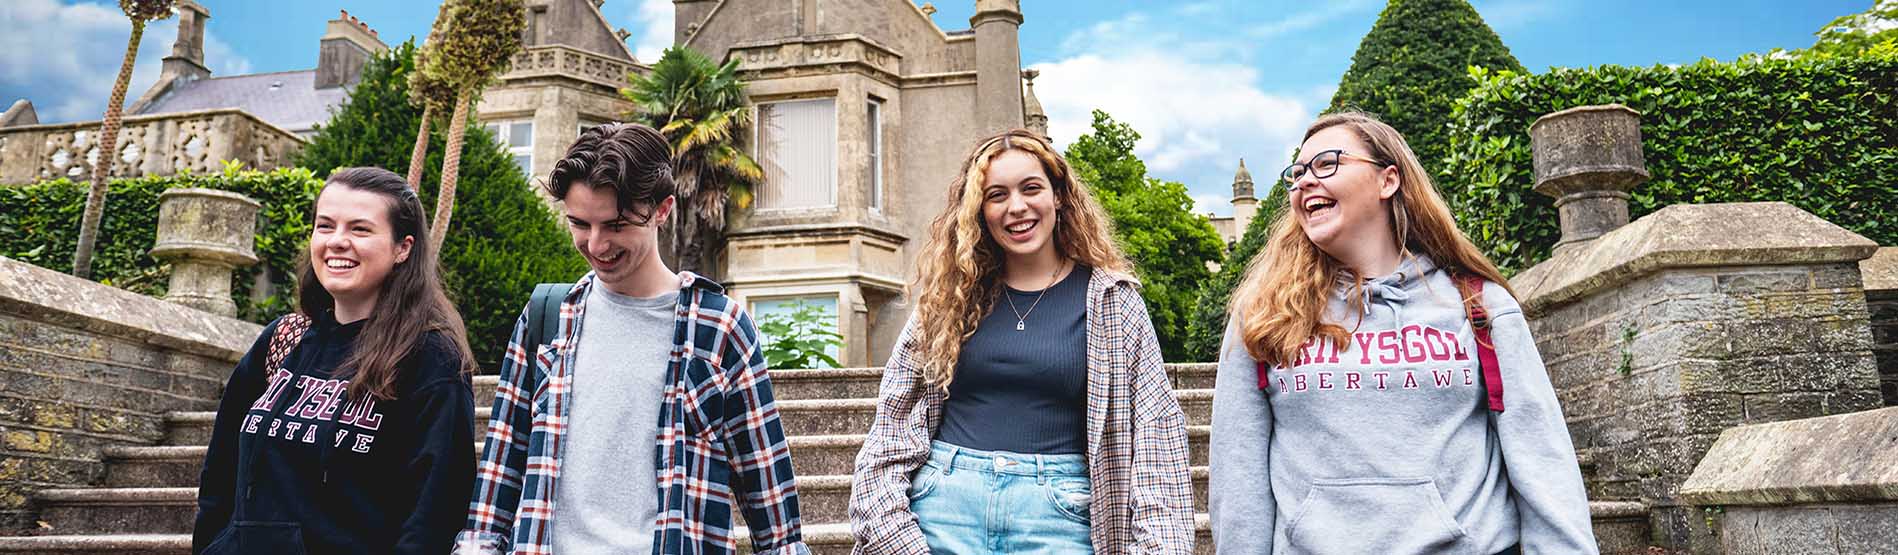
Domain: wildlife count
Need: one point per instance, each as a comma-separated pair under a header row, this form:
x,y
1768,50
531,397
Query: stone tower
x,y
1244,205
998,103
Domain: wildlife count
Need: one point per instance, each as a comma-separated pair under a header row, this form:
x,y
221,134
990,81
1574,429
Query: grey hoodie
x,y
1386,445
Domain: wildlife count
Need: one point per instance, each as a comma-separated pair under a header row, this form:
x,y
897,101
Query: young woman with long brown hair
x,y
1357,407
349,426
1024,408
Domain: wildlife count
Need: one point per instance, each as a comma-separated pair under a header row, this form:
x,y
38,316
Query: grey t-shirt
x,y
604,502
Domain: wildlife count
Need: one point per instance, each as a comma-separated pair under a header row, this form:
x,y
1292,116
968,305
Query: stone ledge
x,y
1689,235
1842,458
1880,272
48,296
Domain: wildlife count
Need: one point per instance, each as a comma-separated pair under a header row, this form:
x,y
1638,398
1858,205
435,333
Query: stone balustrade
x,y
565,62
158,144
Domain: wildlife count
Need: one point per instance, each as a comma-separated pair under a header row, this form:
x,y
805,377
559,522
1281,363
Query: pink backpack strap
x,y
1471,287
290,330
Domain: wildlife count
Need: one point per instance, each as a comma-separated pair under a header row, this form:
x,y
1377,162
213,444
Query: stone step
x,y
148,467
823,539
118,510
862,383
178,465
799,417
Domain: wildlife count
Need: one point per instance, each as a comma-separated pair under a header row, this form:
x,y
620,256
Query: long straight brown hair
x,y
1289,283
412,302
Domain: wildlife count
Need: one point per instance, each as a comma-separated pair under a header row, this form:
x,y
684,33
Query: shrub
x,y
1821,134
39,224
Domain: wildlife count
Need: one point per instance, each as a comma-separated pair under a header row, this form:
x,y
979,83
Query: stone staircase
x,y
147,499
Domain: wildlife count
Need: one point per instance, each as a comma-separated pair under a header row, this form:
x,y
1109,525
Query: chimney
x,y
187,53
346,46
1588,158
998,86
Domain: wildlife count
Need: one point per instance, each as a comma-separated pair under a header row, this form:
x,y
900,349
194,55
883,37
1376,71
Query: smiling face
x,y
1348,204
1019,204
615,245
353,247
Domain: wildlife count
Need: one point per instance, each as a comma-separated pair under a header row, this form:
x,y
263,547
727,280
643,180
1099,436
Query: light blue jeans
x,y
992,502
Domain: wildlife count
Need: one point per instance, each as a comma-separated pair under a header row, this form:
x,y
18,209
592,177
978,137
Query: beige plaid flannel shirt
x,y
1136,439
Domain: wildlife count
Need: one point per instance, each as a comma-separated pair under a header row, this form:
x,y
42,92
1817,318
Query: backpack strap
x,y
543,314
1471,288
290,331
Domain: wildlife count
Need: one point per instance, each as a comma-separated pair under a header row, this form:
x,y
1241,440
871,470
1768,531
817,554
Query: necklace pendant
x,y
1021,325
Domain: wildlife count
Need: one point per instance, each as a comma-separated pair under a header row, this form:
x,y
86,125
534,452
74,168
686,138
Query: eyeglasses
x,y
1322,165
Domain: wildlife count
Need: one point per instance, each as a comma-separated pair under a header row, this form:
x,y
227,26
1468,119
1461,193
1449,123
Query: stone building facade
x,y
865,111
567,76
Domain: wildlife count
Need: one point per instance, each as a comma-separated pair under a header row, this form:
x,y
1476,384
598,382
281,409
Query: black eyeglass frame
x,y
1336,154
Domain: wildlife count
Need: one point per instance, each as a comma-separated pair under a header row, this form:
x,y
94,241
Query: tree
x,y
1413,65
1208,324
701,108
1154,224
477,38
505,240
140,12
1856,34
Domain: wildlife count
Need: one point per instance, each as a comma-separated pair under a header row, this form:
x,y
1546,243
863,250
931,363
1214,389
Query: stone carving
x,y
204,234
1588,158
161,145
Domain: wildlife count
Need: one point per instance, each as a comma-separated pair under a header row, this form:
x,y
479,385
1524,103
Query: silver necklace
x,y
1021,318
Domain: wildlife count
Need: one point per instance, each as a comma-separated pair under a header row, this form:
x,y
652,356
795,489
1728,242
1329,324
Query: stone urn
x,y
205,234
1588,158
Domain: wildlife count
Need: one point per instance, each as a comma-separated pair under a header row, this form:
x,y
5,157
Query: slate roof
x,y
288,99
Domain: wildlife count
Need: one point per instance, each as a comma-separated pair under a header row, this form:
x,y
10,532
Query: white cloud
x,y
1197,108
66,57
654,34
1504,15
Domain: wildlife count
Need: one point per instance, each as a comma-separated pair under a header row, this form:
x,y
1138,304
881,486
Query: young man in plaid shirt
x,y
650,370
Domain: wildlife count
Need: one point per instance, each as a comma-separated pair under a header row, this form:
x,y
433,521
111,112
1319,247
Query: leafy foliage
x,y
1859,34
701,108
1154,224
1411,68
39,225
1819,133
1207,326
801,337
505,240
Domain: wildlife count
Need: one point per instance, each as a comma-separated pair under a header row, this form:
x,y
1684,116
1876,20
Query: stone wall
x,y
1813,486
1665,332
158,144
84,366
1881,296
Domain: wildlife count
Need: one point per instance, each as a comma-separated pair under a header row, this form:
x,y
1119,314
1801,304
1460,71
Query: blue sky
x,y
1213,81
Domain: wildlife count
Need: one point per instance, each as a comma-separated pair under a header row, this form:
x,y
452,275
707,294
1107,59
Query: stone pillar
x,y
204,234
187,52
1588,158
998,100
1662,333
1036,116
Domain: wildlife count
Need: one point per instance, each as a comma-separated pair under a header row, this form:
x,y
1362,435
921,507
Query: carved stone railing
x,y
158,144
773,57
561,61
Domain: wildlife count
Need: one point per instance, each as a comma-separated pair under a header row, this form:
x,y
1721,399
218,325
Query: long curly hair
x,y
1289,283
959,274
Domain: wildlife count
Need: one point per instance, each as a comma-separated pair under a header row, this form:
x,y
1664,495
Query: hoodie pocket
x,y
1375,515
245,536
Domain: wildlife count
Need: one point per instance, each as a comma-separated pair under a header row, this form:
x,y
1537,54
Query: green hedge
x,y
1821,134
39,224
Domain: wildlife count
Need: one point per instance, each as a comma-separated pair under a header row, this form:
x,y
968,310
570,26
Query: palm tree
x,y
701,107
140,12
477,39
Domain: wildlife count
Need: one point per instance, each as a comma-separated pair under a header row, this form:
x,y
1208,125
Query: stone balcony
x,y
156,144
565,62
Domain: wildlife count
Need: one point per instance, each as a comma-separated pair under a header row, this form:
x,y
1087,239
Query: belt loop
x,y
1041,470
949,464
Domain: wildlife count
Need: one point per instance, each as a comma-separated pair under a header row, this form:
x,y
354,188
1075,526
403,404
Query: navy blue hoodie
x,y
295,466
